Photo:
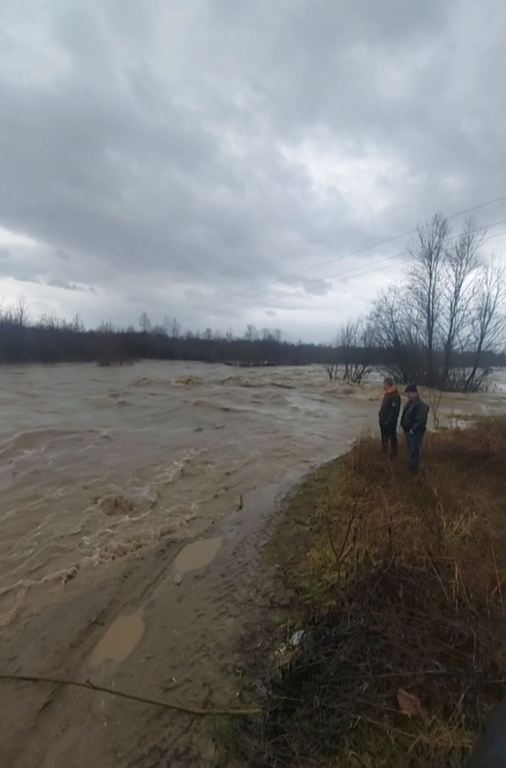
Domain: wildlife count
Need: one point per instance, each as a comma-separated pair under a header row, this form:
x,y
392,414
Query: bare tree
x,y
424,288
488,321
458,291
21,311
172,327
446,309
251,333
145,323
386,319
7,316
353,341
51,322
393,331
106,326
331,367
77,324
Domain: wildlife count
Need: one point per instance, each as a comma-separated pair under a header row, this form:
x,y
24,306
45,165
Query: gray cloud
x,y
66,286
192,158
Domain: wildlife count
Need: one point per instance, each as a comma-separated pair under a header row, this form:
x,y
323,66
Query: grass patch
x,y
398,582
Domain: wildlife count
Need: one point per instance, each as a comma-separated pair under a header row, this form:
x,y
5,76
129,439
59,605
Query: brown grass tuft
x,y
400,584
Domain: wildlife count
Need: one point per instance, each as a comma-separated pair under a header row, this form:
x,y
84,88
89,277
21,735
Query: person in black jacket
x,y
414,424
389,416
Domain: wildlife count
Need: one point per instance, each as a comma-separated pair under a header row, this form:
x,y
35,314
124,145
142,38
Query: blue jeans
x,y
491,749
414,441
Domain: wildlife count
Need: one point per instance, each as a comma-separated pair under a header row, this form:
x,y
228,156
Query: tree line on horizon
x,y
443,326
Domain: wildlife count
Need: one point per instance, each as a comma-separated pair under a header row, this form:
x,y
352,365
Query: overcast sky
x,y
219,160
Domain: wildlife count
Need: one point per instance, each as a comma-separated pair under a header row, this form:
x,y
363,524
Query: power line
x,y
254,291
391,258
379,269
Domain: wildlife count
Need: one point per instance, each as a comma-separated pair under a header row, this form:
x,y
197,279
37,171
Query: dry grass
x,y
455,511
399,584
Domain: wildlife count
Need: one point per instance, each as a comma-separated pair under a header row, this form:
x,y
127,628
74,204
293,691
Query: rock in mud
x,y
177,579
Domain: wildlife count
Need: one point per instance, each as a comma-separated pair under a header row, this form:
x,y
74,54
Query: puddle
x,y
119,640
196,555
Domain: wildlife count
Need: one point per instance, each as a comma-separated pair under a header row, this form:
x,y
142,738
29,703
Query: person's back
x,y
414,424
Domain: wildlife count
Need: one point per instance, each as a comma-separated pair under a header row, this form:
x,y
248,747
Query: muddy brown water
x,y
196,555
113,481
119,640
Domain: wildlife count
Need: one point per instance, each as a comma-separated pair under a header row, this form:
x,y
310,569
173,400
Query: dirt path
x,y
185,654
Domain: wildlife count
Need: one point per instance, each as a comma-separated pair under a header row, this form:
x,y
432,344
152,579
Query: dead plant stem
x,y
133,697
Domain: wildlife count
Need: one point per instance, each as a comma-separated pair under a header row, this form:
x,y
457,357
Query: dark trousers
x,y
414,442
389,436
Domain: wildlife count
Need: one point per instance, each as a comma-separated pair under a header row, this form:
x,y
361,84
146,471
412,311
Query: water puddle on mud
x,y
196,555
119,640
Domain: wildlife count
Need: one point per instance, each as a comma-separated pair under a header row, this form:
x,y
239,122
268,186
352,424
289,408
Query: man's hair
x,y
388,381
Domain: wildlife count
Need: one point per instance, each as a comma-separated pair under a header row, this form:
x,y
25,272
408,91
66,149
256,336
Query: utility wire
x,y
391,259
252,292
403,261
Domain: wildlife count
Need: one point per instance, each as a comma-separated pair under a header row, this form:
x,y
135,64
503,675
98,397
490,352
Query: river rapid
x,y
98,463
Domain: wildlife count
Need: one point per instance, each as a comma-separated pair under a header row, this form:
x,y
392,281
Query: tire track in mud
x,y
38,714
225,612
187,652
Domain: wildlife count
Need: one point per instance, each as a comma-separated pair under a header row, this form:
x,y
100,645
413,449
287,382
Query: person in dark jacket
x,y
490,752
389,416
414,424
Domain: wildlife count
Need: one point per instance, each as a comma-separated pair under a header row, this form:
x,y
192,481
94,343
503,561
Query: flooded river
x,y
134,505
96,464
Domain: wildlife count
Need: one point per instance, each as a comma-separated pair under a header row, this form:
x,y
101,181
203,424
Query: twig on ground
x,y
132,697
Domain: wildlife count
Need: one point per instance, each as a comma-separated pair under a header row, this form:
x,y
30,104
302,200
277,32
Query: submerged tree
x,y
354,342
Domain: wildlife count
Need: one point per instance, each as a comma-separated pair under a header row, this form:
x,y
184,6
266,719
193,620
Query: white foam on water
x,y
85,483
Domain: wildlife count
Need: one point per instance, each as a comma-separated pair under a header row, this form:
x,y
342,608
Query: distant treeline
x,y
49,340
443,326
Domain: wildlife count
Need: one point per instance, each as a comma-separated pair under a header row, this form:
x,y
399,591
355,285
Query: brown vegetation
x,y
399,584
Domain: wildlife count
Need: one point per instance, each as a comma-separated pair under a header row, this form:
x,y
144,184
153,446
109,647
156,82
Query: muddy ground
x,y
187,653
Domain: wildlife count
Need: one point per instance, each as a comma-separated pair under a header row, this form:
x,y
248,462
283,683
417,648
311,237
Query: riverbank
x,y
109,477
387,645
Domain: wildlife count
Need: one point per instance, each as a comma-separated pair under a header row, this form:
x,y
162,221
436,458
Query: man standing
x,y
414,423
389,415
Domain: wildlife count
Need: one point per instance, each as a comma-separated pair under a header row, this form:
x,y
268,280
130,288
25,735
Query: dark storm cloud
x,y
186,155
